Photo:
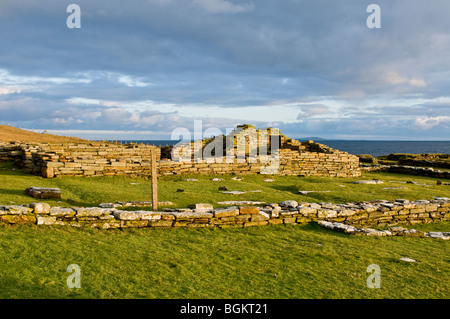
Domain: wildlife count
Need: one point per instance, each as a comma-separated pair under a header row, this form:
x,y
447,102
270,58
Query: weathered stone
x,y
233,202
148,215
326,213
307,211
43,192
226,212
375,181
289,220
438,235
18,219
60,212
46,220
40,208
345,212
17,210
233,192
288,204
248,210
255,223
258,218
201,207
91,211
125,215
134,223
160,223
191,216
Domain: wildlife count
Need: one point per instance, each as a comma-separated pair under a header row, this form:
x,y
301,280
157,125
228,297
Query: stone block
x,y
160,223
125,215
307,211
46,220
191,216
289,204
226,212
248,210
18,219
256,223
62,212
289,220
275,221
17,210
40,208
148,215
43,192
91,211
258,217
326,213
201,207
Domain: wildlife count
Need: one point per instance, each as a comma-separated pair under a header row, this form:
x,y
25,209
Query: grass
x,y
91,191
273,262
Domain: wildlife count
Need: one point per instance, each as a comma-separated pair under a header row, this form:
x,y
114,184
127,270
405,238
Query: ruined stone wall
x,y
377,213
68,159
258,147
8,152
58,160
246,150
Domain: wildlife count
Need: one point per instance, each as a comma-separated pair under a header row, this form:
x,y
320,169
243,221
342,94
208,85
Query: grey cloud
x,y
225,53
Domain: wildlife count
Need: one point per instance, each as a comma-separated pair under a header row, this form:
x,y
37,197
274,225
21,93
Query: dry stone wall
x,y
69,159
96,159
377,213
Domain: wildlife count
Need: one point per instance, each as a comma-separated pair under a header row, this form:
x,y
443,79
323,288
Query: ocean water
x,y
374,148
378,148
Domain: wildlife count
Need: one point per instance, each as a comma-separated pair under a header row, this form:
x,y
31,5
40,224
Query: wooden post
x,y
154,180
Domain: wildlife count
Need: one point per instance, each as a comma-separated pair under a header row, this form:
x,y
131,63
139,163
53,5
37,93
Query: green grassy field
x,y
282,261
91,191
274,262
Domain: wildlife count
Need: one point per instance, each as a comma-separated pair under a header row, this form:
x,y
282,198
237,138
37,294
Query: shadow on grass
x,y
286,188
12,192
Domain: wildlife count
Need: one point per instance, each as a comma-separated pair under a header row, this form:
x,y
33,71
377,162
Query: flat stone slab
x,y
233,192
240,202
133,204
43,192
193,215
374,181
241,192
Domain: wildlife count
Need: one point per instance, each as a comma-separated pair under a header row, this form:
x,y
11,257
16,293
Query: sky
x,y
141,69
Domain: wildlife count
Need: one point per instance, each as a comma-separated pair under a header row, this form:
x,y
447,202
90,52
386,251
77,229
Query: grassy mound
x,y
9,134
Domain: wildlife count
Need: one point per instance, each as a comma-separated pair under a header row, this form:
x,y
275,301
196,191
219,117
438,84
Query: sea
x,y
374,148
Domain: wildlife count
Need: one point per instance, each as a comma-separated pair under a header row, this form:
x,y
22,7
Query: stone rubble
x,y
391,231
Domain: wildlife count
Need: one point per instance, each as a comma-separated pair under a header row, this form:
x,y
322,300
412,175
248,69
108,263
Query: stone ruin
x,y
246,150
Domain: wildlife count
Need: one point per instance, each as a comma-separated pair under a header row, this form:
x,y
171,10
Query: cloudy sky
x,y
142,68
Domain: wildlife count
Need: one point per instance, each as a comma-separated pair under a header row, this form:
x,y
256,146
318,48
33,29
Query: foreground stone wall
x,y
377,213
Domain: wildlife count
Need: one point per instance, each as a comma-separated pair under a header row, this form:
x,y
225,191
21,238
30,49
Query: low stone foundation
x,y
377,213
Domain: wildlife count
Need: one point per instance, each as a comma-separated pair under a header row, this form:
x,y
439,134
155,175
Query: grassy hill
x,y
9,134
